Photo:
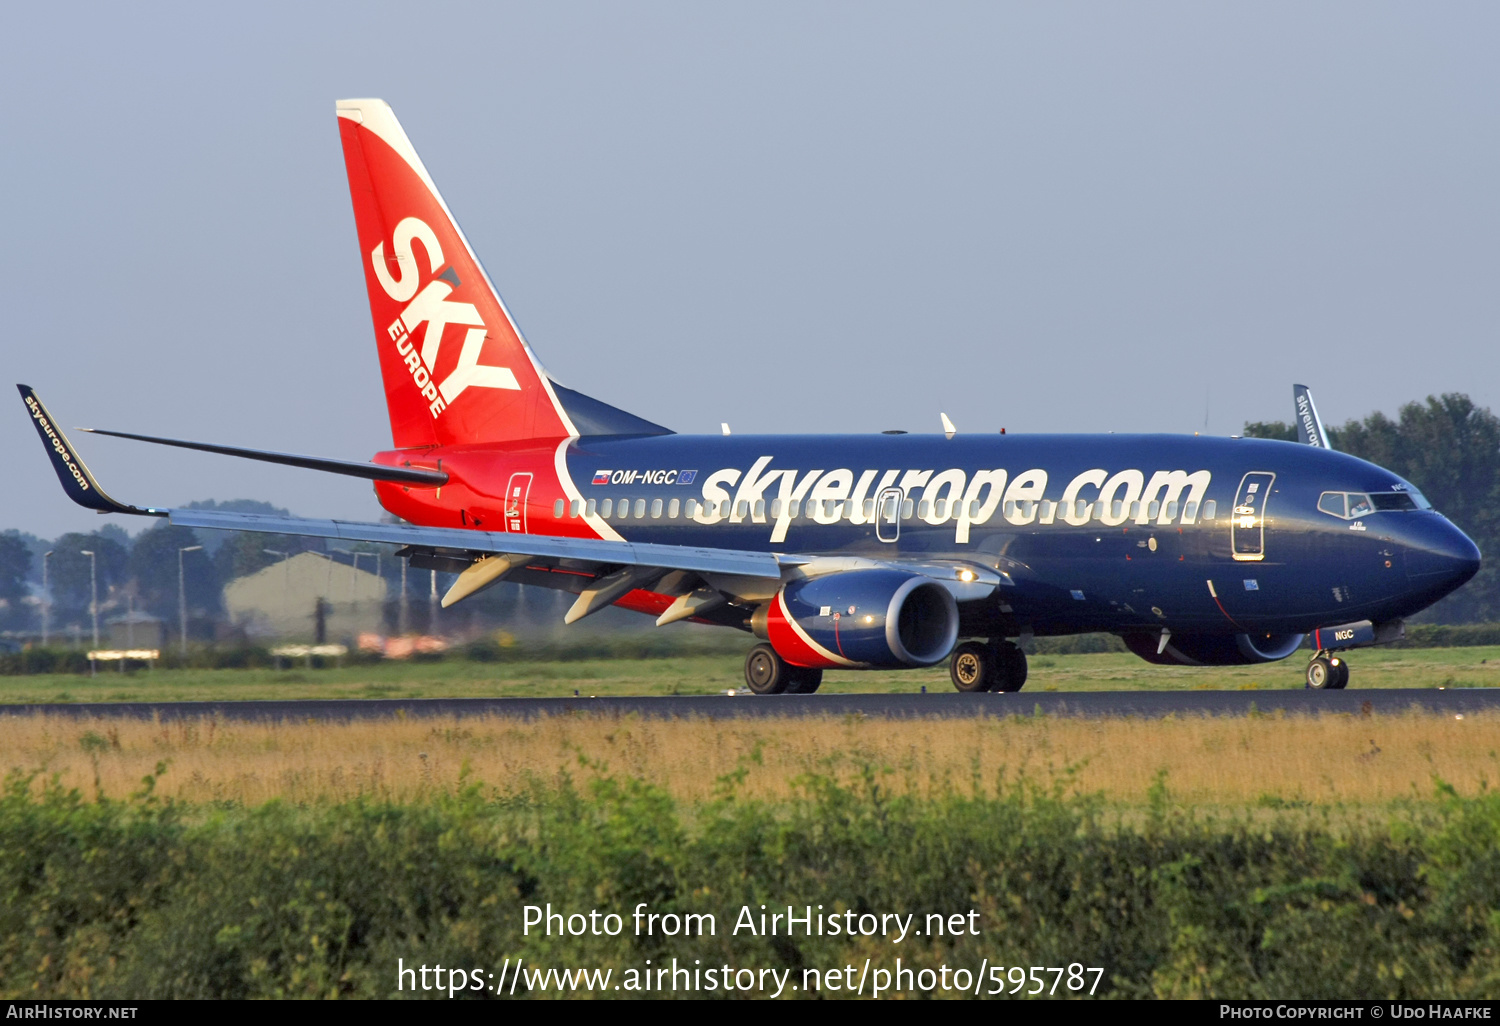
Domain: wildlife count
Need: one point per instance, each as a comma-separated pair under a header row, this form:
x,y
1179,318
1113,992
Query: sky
x,y
801,217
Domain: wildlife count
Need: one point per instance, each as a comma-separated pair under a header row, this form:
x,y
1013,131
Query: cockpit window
x,y
1349,505
1393,500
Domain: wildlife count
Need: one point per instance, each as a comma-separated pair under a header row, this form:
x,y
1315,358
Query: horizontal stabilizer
x,y
351,468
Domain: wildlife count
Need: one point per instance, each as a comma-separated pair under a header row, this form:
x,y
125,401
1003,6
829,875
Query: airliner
x,y
850,552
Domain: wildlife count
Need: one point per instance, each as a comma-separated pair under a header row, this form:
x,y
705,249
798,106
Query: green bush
x,y
1450,635
150,899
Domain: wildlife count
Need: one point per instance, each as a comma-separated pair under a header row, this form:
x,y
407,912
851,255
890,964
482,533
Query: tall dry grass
x,y
1236,761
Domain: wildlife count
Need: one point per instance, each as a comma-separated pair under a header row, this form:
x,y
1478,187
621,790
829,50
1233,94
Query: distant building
x,y
284,600
135,630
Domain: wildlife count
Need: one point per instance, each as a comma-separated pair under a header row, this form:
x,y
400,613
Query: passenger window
x,y
606,507
924,508
1135,510
1171,511
591,508
940,509
760,509
906,509
974,509
1190,513
690,508
1010,509
723,507
557,509
622,509
1117,509
640,509
742,509
1332,503
869,509
793,508
1210,509
1080,509
1027,506
1154,510
1046,510
655,509
775,509
672,508
1359,505
574,507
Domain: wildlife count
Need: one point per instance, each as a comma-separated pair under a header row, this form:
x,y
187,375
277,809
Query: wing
x,y
598,571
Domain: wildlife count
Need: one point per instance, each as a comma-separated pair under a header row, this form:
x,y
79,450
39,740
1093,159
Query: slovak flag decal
x,y
601,477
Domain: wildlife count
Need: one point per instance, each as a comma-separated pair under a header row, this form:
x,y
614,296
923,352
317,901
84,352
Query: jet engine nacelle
x,y
1213,649
865,618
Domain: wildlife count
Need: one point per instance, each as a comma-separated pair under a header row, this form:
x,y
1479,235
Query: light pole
x,y
182,595
432,607
46,599
93,592
403,623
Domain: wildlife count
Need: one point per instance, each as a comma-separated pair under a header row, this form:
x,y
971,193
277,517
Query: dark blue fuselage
x,y
1159,544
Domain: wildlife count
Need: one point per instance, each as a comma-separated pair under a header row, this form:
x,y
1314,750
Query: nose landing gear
x,y
987,666
1327,672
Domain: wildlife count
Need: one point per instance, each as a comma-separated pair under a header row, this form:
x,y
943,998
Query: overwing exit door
x,y
1247,529
515,502
888,515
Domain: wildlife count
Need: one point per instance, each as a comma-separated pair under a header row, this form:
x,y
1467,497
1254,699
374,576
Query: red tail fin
x,y
455,366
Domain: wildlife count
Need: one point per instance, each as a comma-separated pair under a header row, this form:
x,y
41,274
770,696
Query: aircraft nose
x,y
1439,553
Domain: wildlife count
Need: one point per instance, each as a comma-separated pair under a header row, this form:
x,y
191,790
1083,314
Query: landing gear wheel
x,y
766,673
1010,667
972,667
1321,676
1341,675
803,680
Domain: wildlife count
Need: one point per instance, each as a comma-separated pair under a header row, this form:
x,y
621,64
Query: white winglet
x,y
948,428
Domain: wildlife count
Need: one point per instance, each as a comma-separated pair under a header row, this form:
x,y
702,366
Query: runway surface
x,y
945,705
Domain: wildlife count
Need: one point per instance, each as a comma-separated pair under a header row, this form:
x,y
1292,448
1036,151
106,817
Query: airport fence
x,y
147,898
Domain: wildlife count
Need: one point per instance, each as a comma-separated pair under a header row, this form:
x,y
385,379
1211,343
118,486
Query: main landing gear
x,y
988,666
1327,672
767,673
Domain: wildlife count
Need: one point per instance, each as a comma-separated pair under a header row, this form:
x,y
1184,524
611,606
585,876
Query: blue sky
x,y
791,217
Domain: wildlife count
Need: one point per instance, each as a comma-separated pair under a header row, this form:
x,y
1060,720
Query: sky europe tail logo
x,y
431,307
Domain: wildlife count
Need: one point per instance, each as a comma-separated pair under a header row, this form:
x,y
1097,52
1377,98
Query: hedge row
x,y
69,660
149,899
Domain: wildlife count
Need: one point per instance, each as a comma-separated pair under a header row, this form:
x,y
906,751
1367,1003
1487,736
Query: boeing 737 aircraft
x,y
852,552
